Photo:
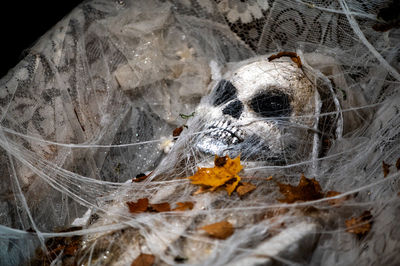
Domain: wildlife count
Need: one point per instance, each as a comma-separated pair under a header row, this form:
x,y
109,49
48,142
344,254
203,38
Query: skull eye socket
x,y
224,92
271,104
233,109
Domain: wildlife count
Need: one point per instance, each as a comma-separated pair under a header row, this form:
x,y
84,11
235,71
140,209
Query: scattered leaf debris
x,y
138,207
143,205
220,230
398,164
295,58
385,168
244,188
359,225
177,131
337,201
306,190
223,175
58,247
160,207
184,206
144,260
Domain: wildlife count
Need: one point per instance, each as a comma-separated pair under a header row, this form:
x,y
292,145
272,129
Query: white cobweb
x,y
95,103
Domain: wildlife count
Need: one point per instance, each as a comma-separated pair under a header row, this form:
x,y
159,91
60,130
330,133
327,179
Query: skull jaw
x,y
253,148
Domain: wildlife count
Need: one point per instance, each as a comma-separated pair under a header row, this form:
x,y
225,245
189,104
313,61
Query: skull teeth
x,y
224,131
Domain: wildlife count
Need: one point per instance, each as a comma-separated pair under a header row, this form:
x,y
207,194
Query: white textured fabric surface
x,y
95,101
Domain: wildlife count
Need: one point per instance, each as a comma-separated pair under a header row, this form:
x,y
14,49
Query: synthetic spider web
x,y
153,90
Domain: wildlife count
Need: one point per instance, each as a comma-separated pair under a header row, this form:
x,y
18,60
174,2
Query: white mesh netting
x,y
96,100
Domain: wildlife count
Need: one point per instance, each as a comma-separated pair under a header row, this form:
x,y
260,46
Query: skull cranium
x,y
263,110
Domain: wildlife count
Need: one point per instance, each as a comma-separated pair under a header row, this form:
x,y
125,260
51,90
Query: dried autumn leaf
x,y
245,188
160,207
144,260
177,131
61,247
221,230
139,206
231,185
183,206
306,190
398,164
385,168
225,170
359,225
337,201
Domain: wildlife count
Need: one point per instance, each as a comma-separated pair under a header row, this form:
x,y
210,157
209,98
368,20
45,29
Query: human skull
x,y
262,110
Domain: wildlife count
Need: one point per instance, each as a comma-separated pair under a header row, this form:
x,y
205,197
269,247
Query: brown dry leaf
x,y
398,164
359,225
184,206
245,188
225,170
385,168
221,230
177,131
139,206
293,56
337,201
160,207
306,190
144,260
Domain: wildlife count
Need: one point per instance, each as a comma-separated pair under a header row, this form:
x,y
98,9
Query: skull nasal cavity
x,y
271,104
224,92
233,109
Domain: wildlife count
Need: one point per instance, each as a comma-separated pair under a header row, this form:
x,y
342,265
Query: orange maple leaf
x,y
224,173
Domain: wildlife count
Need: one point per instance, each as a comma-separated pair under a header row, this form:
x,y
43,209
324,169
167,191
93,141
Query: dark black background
x,y
23,22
